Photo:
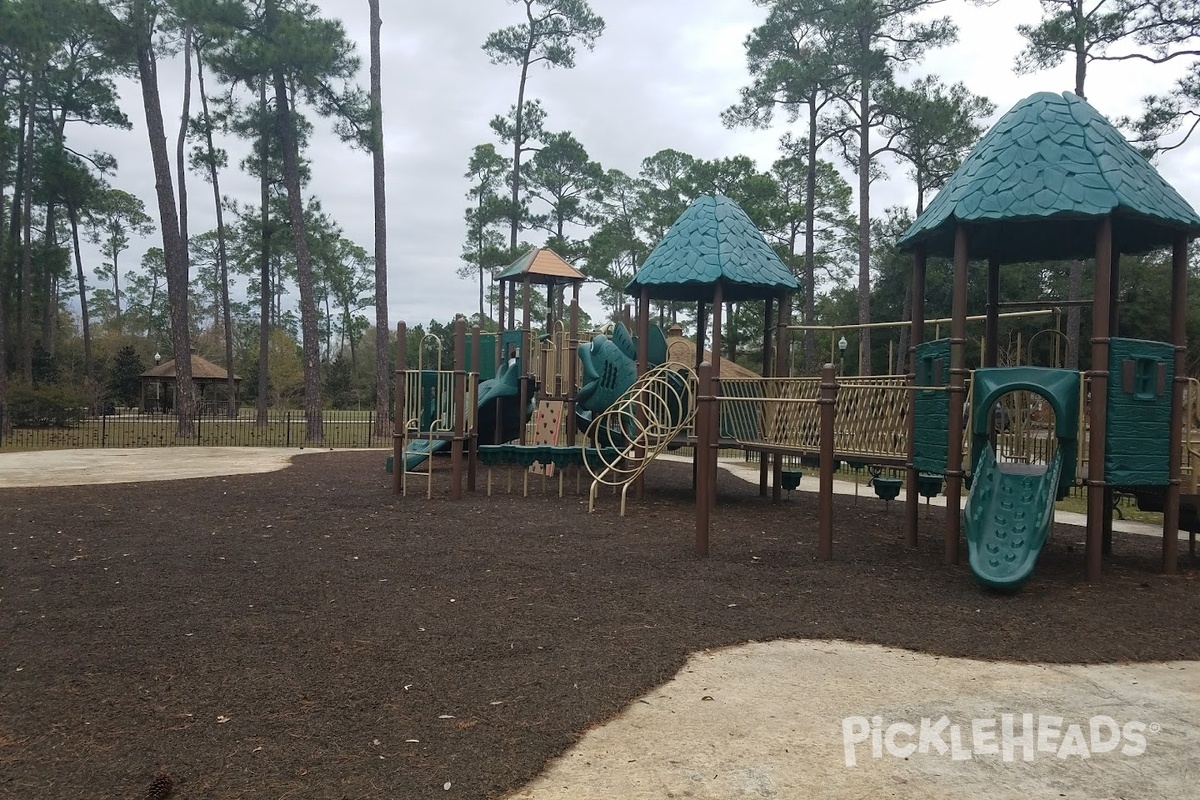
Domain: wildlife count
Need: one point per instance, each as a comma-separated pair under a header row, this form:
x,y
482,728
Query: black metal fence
x,y
341,429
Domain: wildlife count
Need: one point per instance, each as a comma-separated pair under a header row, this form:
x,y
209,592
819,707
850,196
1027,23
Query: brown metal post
x,y
1098,423
912,499
764,458
991,332
573,367
1114,317
526,370
704,498
1179,274
473,432
643,365
400,413
701,332
828,403
958,393
714,421
500,322
460,408
782,345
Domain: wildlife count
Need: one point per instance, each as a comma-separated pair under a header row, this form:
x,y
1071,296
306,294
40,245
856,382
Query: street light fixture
x,y
157,384
842,345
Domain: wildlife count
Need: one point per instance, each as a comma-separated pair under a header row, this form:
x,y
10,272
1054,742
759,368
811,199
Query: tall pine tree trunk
x,y
810,242
264,264
181,145
116,276
864,206
173,252
25,309
49,301
73,216
518,141
382,331
5,164
49,292
310,334
5,424
222,251
14,220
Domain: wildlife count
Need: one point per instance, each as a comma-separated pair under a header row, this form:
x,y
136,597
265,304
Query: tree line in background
x,y
832,72
260,71
263,74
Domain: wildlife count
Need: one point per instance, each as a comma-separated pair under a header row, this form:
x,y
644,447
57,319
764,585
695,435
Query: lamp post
x,y
157,383
842,345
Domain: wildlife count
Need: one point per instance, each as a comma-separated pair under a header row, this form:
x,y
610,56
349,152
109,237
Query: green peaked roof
x,y
713,240
1033,187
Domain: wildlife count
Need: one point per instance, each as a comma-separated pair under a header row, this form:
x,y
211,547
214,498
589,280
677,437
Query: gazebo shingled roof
x,y
202,369
1033,187
542,265
713,240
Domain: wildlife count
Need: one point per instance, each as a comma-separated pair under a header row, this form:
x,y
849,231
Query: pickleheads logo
x,y
1000,737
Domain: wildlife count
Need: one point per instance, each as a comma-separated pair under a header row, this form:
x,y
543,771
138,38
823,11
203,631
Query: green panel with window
x,y
1140,377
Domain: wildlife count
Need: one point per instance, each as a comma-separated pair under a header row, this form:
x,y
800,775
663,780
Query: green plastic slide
x,y
1008,516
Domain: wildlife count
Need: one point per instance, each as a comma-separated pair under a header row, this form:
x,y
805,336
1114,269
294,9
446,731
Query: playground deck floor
x,y
304,633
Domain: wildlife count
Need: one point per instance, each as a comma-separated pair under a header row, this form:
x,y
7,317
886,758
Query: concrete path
x,y
809,719
839,721
82,467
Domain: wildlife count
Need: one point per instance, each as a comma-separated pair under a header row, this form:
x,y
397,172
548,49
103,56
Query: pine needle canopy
x,y
1034,186
713,241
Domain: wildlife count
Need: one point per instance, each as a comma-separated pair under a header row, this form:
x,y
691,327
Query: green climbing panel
x,y
1140,376
931,443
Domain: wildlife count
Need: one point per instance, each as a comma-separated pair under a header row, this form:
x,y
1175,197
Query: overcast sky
x,y
658,78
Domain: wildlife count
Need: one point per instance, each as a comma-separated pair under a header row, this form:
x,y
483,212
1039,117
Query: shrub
x,y
55,406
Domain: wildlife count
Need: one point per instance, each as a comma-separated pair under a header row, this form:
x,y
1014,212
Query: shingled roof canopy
x,y
1033,187
202,369
713,240
542,265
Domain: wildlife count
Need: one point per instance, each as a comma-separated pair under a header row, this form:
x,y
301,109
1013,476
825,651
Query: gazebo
x,y
712,255
160,389
1052,180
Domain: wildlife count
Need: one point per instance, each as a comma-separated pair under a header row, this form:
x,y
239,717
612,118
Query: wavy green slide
x,y
1008,516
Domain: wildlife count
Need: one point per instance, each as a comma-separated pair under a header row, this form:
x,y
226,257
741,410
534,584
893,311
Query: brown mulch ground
x,y
305,634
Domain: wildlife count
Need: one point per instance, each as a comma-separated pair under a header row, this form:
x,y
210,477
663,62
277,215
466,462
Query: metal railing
x,y
128,428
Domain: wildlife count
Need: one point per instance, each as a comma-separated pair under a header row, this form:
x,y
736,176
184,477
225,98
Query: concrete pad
x,y
133,465
770,720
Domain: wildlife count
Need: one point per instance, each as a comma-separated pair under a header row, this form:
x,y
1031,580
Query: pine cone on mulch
x,y
160,787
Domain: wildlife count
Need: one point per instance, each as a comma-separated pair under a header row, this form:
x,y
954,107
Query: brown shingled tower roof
x,y
542,265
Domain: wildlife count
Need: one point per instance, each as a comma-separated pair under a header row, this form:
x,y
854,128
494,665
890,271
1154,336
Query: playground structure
x,y
1052,180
